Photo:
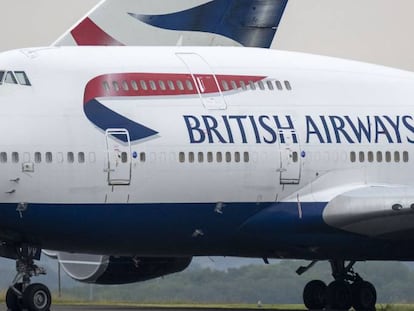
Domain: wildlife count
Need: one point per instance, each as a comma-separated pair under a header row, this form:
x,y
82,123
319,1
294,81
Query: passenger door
x,y
118,146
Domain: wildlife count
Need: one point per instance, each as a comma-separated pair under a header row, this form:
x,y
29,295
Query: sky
x,y
377,31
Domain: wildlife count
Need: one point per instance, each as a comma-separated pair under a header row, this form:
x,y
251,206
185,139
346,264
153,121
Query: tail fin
x,y
185,22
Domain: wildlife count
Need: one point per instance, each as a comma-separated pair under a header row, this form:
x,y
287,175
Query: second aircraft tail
x,y
187,22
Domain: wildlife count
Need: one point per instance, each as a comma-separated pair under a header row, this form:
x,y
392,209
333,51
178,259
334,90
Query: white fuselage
x,y
333,126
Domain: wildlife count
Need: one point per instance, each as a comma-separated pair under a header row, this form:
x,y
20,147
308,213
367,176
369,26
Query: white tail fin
x,y
185,22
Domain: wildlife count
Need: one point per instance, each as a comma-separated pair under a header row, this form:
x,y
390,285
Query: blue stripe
x,y
249,22
242,229
105,118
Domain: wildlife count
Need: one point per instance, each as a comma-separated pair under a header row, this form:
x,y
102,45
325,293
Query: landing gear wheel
x,y
339,296
37,297
13,302
314,295
364,296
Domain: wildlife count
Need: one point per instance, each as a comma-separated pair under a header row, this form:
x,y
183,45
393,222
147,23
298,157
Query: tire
x,y
339,295
364,296
314,295
37,297
13,302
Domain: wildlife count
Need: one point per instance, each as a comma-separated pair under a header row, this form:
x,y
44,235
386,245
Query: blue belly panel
x,y
236,229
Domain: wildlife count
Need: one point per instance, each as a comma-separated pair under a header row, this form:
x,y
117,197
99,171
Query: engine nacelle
x,y
119,270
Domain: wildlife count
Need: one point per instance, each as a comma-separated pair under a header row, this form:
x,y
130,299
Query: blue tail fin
x,y
162,22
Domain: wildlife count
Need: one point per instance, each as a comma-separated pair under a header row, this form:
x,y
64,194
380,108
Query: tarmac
x,y
132,308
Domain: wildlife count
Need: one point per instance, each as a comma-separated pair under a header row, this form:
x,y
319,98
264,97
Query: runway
x,y
59,307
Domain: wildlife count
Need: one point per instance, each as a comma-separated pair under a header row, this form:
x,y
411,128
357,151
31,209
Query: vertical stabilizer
x,y
185,22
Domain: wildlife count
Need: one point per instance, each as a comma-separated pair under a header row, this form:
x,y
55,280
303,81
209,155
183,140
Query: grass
x,y
182,305
293,307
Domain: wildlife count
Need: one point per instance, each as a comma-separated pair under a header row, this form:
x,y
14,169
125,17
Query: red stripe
x,y
115,84
88,33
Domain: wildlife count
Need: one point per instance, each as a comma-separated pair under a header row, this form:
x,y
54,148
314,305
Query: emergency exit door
x,y
290,158
205,80
118,146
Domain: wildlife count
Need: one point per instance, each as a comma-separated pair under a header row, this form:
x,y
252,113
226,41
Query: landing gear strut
x,y
346,291
23,295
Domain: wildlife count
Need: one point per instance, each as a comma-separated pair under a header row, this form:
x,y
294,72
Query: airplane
x,y
250,23
144,157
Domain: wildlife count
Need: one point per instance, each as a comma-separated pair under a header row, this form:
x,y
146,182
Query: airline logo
x,y
250,23
144,87
232,129
269,129
245,22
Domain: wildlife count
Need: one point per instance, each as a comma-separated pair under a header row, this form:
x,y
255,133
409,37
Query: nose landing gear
x,y
346,291
23,295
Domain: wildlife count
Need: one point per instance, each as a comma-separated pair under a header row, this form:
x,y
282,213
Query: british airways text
x,y
270,129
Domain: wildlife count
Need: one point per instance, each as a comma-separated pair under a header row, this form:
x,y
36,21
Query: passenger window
x,y
162,85
209,157
361,156
252,85
153,86
15,157
143,85
379,156
3,157
279,85
181,157
388,156
70,157
142,157
116,86
228,157
124,157
38,157
49,157
295,156
370,156
1,77
180,85
405,156
189,85
237,157
125,86
246,157
233,85
191,157
270,85
396,156
225,85
10,78
243,85
106,86
134,85
219,157
22,78
353,156
81,157
288,86
200,157
171,85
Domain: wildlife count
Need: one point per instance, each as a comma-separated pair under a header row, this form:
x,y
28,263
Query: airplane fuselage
x,y
206,151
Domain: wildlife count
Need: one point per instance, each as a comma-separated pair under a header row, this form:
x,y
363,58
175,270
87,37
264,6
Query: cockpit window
x,y
22,78
14,77
10,78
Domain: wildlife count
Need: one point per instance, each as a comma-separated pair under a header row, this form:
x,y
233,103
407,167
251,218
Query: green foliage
x,y
269,284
